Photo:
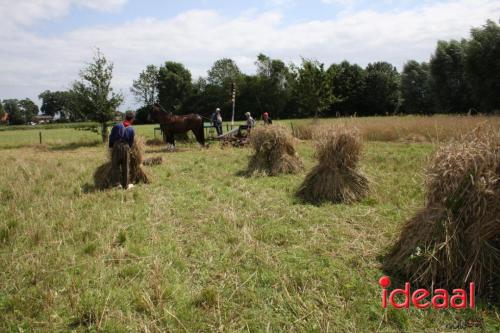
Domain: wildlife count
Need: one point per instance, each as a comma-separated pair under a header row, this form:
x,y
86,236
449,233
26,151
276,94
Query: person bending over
x,y
121,140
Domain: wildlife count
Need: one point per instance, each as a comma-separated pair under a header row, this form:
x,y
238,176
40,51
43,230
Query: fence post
x,y
40,136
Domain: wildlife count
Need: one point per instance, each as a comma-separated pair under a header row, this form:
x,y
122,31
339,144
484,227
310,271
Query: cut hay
x,y
304,131
335,178
274,152
102,176
455,239
158,160
154,142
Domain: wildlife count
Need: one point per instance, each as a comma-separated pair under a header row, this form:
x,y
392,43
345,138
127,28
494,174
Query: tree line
x,y
460,77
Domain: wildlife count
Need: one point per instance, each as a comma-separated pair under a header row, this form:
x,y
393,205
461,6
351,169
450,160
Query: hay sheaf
x,y
102,176
274,152
336,177
455,239
155,142
158,160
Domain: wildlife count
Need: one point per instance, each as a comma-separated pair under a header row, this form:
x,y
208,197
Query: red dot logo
x,y
384,281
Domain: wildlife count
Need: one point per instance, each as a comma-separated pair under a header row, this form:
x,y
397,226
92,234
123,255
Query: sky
x,y
45,43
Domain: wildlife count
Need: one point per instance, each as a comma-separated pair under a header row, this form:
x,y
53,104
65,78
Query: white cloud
x,y
101,5
28,12
30,63
340,2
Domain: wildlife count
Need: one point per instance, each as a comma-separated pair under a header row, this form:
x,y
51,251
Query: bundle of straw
x,y
274,152
102,176
455,239
335,178
155,142
158,160
304,131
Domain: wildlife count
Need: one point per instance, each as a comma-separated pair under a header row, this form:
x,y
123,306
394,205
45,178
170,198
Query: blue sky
x,y
45,43
294,11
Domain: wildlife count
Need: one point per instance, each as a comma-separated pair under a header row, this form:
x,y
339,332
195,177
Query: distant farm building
x,y
4,119
42,119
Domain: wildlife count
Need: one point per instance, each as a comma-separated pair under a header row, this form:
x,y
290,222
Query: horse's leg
x,y
199,134
163,133
171,139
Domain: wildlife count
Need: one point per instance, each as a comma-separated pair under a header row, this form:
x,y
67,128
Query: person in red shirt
x,y
267,120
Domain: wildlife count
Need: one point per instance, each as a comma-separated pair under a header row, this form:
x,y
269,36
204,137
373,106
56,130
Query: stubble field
x,y
205,249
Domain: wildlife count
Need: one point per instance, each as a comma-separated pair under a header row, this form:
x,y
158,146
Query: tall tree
x,y
11,106
145,88
451,89
223,73
98,100
28,109
483,66
53,102
311,88
381,94
346,82
416,88
272,85
174,85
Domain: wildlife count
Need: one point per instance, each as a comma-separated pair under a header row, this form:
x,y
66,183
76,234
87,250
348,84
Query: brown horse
x,y
171,124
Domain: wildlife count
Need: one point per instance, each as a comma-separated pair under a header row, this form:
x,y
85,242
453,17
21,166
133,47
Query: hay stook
x,y
455,238
102,176
335,178
274,152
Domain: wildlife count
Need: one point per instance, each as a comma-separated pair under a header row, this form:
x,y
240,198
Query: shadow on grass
x,y
166,150
90,188
76,145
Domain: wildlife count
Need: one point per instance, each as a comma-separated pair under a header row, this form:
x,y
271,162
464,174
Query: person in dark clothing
x,y
121,140
217,121
267,120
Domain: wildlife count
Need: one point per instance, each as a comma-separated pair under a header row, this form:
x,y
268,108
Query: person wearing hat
x,y
216,119
267,120
121,140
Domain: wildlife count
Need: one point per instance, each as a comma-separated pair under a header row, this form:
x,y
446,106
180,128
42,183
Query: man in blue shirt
x,y
216,119
121,140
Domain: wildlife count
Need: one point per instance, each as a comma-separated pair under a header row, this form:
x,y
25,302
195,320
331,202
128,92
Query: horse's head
x,y
156,112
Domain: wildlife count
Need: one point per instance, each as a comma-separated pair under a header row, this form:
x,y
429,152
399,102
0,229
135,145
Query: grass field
x,y
202,248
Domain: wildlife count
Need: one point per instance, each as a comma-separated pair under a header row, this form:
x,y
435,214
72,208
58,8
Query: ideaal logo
x,y
440,298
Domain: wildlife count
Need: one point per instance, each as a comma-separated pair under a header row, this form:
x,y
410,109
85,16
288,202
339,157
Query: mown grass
x,y
203,249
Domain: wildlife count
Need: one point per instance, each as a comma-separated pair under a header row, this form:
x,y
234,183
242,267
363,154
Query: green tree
x,y
311,88
145,88
223,73
483,66
272,85
94,92
54,102
174,85
28,109
346,82
11,106
450,87
416,88
381,94
142,115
